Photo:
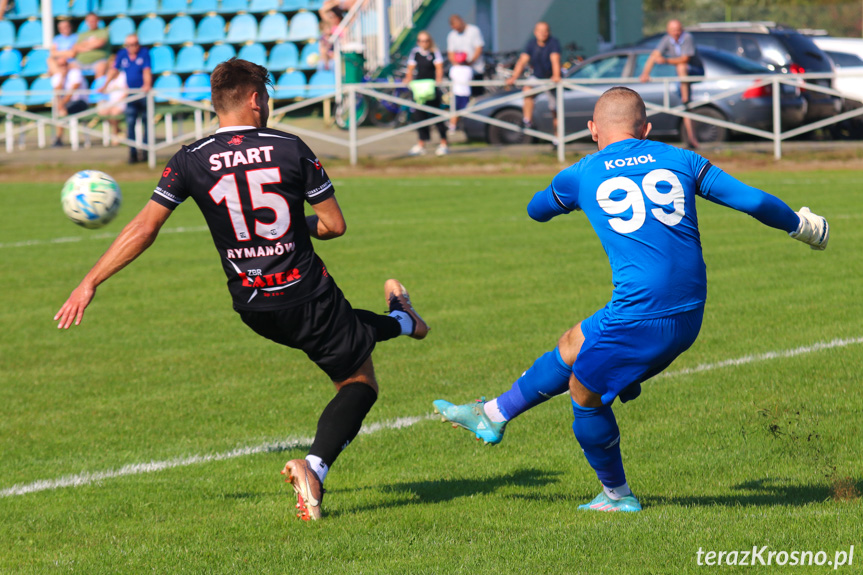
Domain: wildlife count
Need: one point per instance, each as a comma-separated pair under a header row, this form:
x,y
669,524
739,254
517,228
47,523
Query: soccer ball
x,y
91,198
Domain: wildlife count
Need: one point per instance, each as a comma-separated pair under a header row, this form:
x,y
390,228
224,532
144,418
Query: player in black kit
x,y
251,184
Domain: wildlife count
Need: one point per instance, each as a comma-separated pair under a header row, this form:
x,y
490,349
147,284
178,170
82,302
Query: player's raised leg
x,y
546,378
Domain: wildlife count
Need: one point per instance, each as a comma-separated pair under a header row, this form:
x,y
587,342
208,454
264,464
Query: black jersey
x,y
251,185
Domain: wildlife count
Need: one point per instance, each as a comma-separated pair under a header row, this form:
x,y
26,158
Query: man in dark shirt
x,y
134,61
542,52
251,184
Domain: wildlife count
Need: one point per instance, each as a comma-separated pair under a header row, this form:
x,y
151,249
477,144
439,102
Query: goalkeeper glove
x,y
813,230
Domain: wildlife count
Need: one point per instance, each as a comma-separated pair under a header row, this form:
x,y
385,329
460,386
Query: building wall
x,y
512,21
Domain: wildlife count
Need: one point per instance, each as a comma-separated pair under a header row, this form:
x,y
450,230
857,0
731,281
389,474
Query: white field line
x,y
763,357
81,479
95,236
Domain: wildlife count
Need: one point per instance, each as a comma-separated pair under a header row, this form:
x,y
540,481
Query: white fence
x,y
20,122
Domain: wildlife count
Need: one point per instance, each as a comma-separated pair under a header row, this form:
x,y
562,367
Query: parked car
x,y
752,106
834,44
778,47
849,81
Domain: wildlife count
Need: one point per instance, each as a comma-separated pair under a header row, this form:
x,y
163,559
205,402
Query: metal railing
x,y
20,121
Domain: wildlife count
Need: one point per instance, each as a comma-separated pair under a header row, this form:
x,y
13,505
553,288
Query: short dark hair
x,y
234,80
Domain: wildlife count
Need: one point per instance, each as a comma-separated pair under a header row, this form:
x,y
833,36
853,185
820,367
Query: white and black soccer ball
x,y
91,198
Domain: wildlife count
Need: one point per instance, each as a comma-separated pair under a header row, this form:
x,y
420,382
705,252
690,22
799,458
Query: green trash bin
x,y
354,63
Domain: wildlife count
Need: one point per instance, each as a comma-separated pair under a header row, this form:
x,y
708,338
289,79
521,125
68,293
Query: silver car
x,y
753,106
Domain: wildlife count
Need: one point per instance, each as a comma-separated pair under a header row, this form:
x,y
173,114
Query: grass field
x,y
725,455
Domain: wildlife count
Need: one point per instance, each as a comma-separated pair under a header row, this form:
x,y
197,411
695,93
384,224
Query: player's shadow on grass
x,y
767,491
441,490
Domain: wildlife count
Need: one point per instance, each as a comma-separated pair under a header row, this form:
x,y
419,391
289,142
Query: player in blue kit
x,y
639,196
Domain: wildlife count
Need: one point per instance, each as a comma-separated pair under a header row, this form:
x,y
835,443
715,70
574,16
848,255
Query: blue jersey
x,y
639,196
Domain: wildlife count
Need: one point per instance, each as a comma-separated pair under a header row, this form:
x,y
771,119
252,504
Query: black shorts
x,y
325,328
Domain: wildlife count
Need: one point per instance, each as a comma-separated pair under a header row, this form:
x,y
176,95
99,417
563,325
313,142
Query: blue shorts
x,y
618,354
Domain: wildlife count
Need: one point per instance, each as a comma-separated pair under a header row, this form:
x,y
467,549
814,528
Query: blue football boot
x,y
472,417
603,502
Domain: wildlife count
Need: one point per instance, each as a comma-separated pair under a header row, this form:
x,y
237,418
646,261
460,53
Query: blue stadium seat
x,y
243,28
112,7
314,4
80,8
218,54
180,30
7,33
283,57
10,61
234,6
96,97
203,6
211,29
263,6
119,28
291,85
322,78
36,63
171,7
151,31
273,28
61,8
309,56
29,34
304,26
168,87
255,53
189,59
292,5
11,91
161,59
143,7
24,9
43,86
192,87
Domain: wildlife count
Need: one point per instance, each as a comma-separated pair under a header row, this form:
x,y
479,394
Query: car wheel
x,y
708,133
503,136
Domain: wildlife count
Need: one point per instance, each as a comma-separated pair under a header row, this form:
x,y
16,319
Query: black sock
x,y
385,327
341,420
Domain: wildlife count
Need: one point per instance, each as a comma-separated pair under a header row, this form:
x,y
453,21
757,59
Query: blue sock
x,y
596,430
547,377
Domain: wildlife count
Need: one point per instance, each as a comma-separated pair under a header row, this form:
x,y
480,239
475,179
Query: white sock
x,y
617,492
320,468
493,411
404,320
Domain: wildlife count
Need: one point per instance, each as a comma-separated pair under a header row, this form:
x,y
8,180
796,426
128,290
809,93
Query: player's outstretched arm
x,y
136,237
328,221
805,226
546,204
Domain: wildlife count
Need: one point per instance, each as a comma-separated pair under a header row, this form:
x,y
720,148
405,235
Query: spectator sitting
x,y
467,39
5,6
72,97
543,53
678,49
461,75
111,107
92,48
63,44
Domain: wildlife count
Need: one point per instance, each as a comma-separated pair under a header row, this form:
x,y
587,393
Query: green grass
x,y
764,453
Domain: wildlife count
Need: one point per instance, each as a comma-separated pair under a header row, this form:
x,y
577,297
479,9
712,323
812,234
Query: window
x,y
611,67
